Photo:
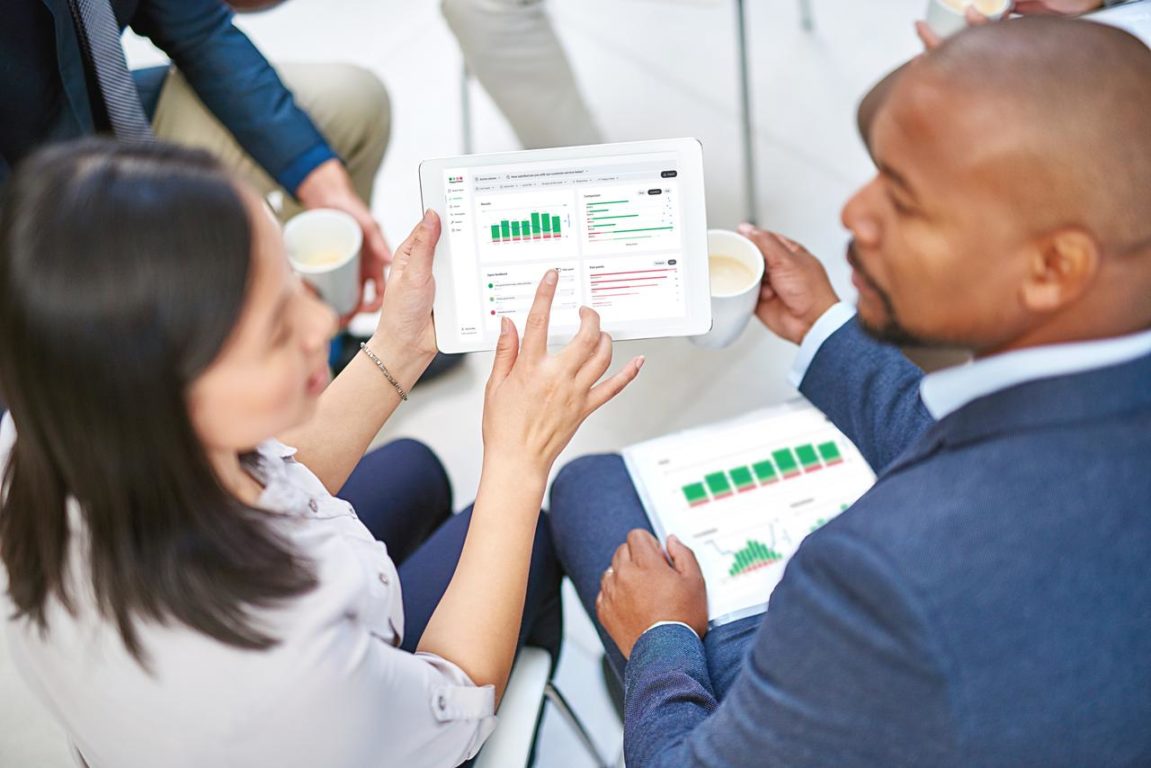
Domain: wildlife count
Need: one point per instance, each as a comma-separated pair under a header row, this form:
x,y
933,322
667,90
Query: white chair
x,y
529,688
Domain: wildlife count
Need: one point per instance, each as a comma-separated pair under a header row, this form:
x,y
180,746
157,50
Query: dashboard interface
x,y
611,227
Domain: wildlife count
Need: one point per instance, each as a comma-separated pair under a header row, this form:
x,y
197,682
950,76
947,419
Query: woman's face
x,y
274,365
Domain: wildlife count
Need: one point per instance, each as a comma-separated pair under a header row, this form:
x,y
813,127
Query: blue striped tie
x,y
100,35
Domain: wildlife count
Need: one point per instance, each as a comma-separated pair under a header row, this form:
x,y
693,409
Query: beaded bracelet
x,y
387,374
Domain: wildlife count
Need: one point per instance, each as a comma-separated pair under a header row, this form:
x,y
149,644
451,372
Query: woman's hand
x,y
534,401
406,314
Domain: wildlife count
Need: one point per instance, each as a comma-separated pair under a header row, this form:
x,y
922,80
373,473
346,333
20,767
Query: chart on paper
x,y
744,494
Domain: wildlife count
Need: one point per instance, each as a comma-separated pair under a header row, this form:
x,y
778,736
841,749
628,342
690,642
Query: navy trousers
x,y
593,507
401,493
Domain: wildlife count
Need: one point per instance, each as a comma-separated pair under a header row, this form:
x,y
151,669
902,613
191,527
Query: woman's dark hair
x,y
123,270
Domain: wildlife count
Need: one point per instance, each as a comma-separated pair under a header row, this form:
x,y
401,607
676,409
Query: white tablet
x,y
624,224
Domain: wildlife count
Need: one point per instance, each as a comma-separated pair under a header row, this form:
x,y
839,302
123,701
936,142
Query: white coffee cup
x,y
735,266
323,247
946,17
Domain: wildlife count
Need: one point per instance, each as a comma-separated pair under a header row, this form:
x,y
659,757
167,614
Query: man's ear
x,y
1061,268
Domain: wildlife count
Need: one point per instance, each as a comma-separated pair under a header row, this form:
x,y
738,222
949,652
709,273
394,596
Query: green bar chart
x,y
538,225
754,556
784,464
630,217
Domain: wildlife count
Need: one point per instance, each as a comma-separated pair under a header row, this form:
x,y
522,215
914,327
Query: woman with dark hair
x,y
184,589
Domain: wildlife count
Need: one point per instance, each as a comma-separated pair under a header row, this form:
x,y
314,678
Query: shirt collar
x,y
945,392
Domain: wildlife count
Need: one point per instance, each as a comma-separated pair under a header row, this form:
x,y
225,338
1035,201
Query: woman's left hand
x,y
406,314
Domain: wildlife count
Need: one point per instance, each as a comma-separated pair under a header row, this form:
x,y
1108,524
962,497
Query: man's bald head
x,y
1071,102
1012,204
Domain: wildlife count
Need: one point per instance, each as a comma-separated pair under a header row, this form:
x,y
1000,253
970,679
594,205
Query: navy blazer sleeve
x,y
237,84
870,391
844,672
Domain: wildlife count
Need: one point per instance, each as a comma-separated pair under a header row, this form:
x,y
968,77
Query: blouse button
x,y
441,702
384,579
312,505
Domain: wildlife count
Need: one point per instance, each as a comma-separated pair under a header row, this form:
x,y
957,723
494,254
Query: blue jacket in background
x,y
987,603
47,95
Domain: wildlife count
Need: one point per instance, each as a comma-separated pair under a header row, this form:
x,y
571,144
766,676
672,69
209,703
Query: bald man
x,y
988,602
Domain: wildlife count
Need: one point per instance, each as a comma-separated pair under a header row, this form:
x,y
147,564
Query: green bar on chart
x,y
830,453
742,478
785,460
808,457
495,232
526,228
515,229
718,485
535,224
555,225
695,494
505,230
765,471
547,224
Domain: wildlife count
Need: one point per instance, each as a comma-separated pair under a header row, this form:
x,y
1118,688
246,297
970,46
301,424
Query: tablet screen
x,y
613,227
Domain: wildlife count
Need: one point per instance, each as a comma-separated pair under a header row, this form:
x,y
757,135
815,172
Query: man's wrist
x,y
327,183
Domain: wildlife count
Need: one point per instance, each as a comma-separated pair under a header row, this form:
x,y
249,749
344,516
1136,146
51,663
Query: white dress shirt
x,y
336,692
946,391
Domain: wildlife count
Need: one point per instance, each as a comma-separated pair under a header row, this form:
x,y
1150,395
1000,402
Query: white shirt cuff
x,y
828,323
670,623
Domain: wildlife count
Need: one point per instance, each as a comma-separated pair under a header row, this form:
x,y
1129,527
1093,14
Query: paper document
x,y
743,494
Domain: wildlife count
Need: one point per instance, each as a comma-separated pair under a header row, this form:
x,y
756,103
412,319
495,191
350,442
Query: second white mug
x,y
736,268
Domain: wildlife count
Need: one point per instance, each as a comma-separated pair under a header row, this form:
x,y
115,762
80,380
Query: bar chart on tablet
x,y
621,219
744,494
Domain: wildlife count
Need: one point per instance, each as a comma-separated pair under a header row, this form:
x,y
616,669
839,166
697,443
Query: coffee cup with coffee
x,y
323,247
946,17
735,266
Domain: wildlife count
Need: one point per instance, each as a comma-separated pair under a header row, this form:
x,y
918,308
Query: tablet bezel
x,y
697,294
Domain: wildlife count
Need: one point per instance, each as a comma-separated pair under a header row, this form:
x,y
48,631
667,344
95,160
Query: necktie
x,y
100,36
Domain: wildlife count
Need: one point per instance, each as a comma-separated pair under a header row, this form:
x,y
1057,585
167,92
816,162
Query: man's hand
x,y
796,290
642,588
330,186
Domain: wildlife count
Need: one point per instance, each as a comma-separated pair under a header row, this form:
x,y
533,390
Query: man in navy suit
x,y
988,602
221,94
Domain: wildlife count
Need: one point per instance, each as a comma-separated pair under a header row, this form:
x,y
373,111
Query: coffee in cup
x,y
735,268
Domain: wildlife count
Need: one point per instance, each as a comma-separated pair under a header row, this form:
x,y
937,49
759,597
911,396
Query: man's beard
x,y
892,331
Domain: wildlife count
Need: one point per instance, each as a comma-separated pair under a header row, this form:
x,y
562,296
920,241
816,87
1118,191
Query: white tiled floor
x,y
650,69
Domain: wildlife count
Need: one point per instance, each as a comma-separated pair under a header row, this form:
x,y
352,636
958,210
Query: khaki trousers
x,y
348,105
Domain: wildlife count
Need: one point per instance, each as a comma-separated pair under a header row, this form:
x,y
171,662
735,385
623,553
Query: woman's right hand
x,y
534,402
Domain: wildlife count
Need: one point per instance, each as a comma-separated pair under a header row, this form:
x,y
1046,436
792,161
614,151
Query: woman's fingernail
x,y
429,216
552,277
639,361
504,323
746,229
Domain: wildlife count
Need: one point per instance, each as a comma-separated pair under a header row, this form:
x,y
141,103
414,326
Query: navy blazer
x,y
987,603
46,93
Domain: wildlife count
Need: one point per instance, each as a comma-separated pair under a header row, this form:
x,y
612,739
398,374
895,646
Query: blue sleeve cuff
x,y
291,177
827,324
663,648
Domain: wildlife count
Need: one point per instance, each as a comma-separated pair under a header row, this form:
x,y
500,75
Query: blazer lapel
x,y
73,73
